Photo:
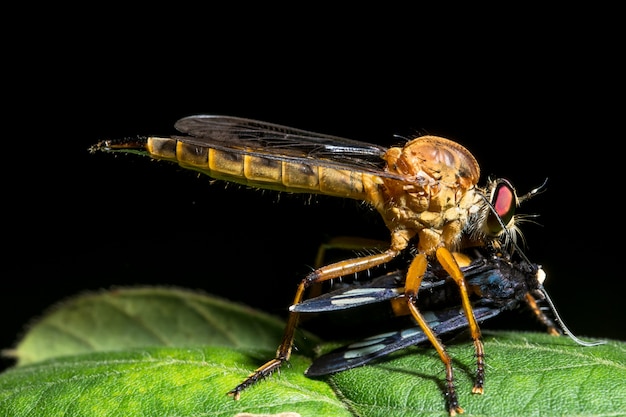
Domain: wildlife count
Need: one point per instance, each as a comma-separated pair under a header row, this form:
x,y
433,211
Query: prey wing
x,y
386,287
359,353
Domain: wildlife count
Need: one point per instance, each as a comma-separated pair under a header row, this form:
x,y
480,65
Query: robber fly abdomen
x,y
260,170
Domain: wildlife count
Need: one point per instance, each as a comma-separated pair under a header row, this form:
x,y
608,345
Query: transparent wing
x,y
252,137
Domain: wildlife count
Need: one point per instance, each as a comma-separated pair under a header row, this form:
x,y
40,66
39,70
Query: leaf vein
x,y
210,319
138,320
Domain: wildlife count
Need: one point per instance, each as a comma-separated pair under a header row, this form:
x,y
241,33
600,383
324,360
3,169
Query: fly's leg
x,y
344,243
413,281
447,260
532,303
319,275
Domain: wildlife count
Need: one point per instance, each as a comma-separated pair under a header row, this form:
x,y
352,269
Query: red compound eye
x,y
503,200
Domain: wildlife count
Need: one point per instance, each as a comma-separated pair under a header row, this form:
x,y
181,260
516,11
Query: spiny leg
x,y
344,243
447,261
335,270
348,243
413,281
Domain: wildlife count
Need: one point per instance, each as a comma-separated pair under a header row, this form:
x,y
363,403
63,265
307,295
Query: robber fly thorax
x,y
436,200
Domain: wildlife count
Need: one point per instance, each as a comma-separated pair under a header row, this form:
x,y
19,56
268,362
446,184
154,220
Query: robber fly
x,y
426,192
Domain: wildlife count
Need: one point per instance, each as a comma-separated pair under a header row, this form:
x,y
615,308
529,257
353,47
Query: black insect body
x,y
495,282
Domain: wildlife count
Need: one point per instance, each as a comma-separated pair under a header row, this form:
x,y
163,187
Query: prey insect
x,y
496,284
425,191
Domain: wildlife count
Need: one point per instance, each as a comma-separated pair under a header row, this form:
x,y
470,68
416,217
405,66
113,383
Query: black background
x,y
528,107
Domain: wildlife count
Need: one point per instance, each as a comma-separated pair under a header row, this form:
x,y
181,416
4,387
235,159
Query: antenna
x,y
562,324
533,192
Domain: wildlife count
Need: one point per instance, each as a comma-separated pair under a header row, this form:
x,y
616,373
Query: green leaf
x,y
148,316
165,352
527,374
160,382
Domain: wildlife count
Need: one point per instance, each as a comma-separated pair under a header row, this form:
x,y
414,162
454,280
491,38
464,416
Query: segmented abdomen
x,y
261,170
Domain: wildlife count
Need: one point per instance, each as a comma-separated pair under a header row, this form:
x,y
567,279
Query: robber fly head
x,y
496,219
